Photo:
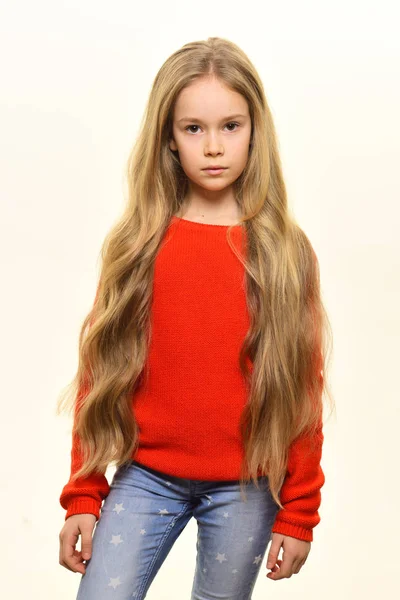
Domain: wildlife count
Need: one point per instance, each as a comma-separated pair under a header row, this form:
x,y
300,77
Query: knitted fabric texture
x,y
192,393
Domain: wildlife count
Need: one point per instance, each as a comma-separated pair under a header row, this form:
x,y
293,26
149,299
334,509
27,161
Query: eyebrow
x,y
224,119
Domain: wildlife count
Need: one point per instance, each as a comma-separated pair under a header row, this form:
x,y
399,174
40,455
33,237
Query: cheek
x,y
244,152
188,149
240,153
189,156
189,164
241,145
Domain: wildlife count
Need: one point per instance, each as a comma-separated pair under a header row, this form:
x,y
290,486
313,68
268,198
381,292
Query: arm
x,y
84,495
301,490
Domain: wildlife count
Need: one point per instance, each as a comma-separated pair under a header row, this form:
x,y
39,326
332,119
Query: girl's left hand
x,y
294,556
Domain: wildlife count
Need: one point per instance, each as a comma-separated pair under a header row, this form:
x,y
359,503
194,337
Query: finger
x,y
79,565
86,542
68,547
299,565
75,565
70,556
278,565
275,568
274,551
63,563
60,557
285,569
296,566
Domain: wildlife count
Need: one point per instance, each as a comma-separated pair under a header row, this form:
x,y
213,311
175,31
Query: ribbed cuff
x,y
295,531
81,505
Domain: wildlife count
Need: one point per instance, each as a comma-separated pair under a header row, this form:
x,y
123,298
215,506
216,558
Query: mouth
x,y
215,170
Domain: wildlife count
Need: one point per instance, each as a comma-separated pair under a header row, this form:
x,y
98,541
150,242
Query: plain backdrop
x,y
75,77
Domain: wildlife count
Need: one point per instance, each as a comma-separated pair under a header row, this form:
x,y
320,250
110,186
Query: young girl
x,y
201,361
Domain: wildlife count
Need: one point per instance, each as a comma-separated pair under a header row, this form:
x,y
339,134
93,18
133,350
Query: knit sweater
x,y
193,390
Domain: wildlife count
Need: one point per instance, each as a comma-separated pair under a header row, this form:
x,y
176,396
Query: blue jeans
x,y
146,511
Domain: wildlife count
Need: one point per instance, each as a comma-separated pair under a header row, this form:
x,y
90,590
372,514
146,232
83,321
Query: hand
x,y
294,556
70,558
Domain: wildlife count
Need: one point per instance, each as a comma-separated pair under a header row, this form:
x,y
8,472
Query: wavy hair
x,y
289,336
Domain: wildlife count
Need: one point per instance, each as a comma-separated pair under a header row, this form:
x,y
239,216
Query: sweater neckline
x,y
197,224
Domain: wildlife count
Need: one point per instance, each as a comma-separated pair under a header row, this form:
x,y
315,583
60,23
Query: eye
x,y
230,123
189,126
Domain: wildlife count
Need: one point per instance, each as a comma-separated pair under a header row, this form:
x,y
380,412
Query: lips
x,y
213,172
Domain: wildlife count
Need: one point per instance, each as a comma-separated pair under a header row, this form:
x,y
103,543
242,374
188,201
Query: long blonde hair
x,y
289,337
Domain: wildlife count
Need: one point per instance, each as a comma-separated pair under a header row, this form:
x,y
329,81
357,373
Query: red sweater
x,y
193,390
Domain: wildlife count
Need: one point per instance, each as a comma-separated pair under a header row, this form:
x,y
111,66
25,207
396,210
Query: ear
x,y
172,144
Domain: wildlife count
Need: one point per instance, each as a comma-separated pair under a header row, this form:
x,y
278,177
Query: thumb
x,y
274,551
86,543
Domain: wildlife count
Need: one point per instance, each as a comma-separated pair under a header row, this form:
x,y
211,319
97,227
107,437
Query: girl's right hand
x,y
75,525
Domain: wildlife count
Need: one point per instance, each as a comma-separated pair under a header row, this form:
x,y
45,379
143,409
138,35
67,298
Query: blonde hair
x,y
289,337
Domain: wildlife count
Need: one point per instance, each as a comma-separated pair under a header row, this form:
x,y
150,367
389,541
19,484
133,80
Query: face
x,y
211,126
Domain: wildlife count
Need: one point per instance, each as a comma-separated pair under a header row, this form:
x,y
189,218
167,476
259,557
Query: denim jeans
x,y
144,514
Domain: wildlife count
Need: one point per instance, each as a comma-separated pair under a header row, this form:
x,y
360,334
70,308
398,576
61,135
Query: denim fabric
x,y
146,511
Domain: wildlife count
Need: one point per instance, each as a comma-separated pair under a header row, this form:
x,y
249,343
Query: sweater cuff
x,y
296,531
84,504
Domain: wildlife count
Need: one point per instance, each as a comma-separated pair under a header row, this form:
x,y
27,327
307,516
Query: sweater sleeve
x,y
85,494
300,494
301,491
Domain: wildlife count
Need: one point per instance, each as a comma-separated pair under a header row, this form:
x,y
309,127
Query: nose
x,y
213,146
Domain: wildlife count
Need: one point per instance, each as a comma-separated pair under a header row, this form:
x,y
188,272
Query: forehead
x,y
209,99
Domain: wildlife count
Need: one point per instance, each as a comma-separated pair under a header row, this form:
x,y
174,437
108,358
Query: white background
x,y
75,77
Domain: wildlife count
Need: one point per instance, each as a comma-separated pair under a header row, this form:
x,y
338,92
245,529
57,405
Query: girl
x,y
201,361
